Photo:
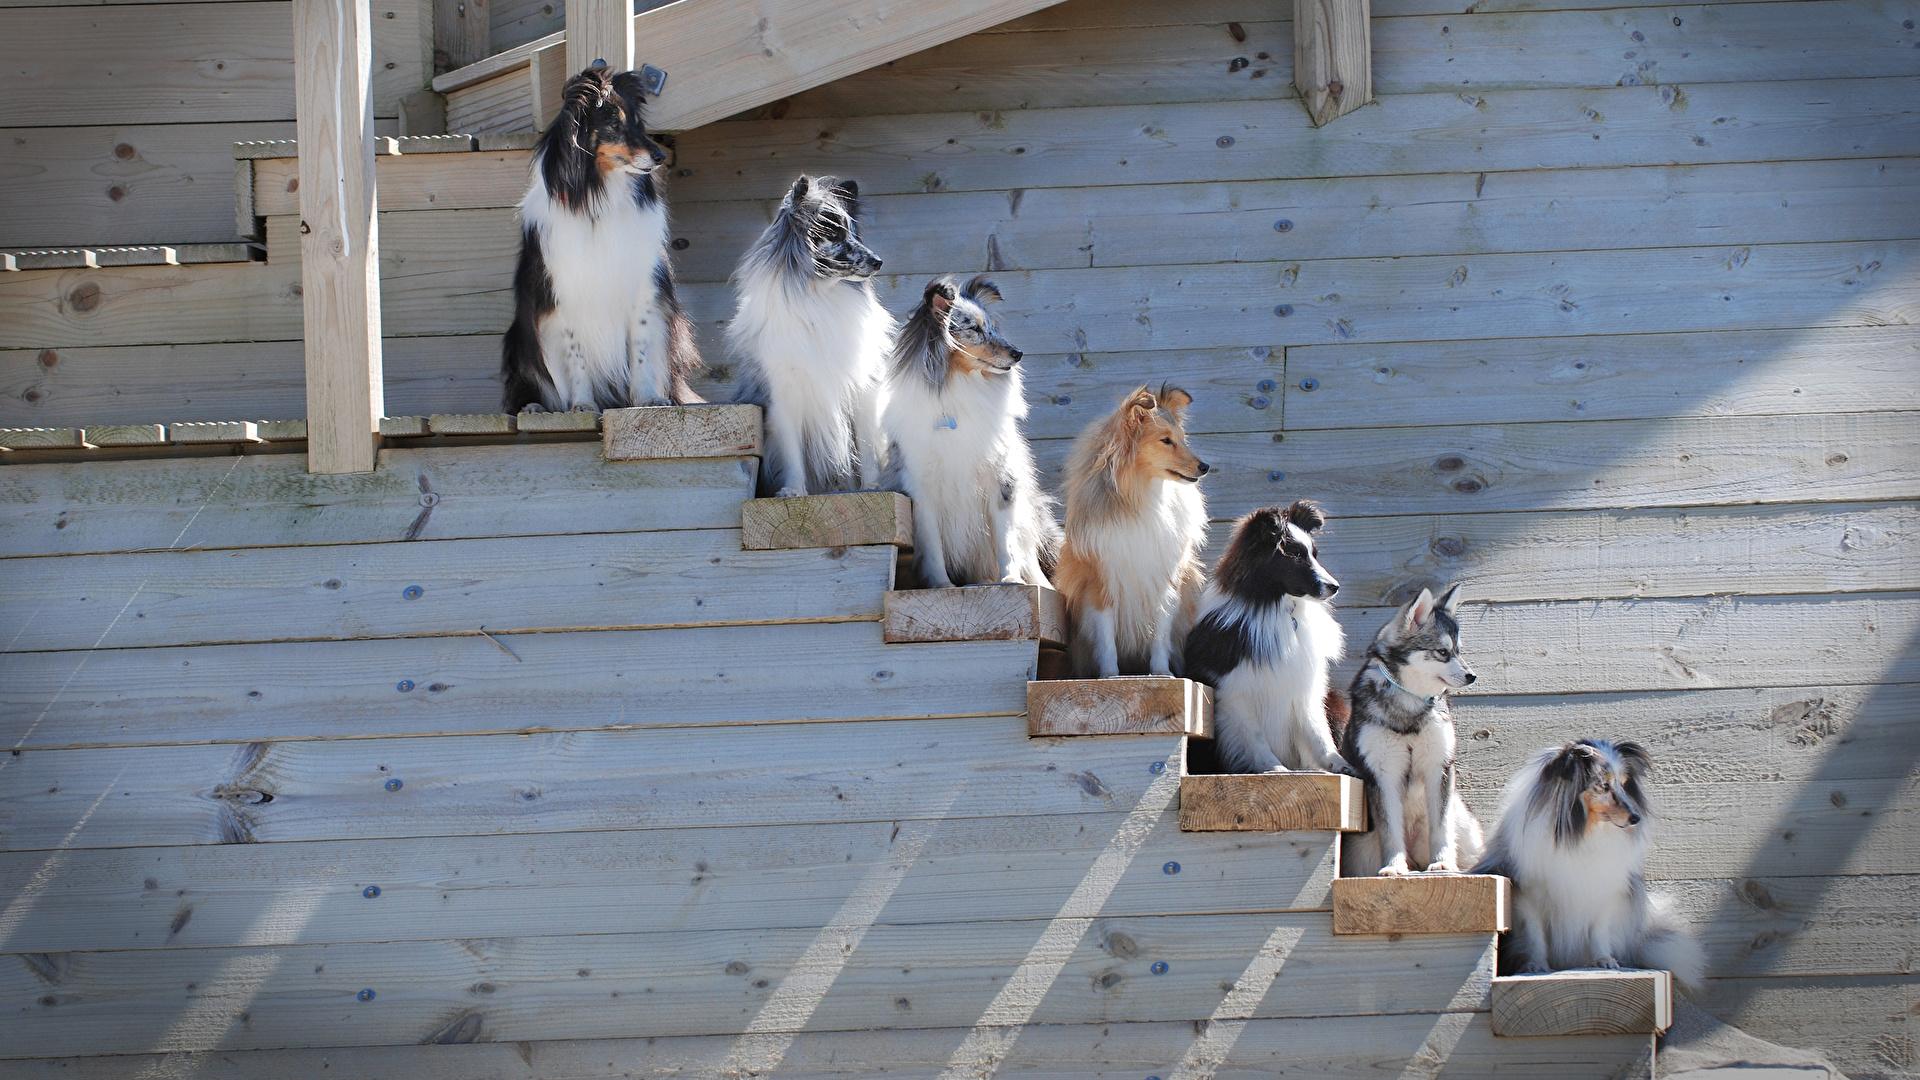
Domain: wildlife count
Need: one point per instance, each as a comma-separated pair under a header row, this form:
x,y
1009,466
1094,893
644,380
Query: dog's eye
x,y
1168,442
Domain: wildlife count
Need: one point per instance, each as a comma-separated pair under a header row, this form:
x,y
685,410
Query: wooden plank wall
x,y
120,118
1606,309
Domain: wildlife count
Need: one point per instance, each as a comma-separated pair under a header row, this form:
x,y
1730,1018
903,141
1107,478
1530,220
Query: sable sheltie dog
x,y
1573,836
1129,567
1400,739
596,324
811,341
954,405
1265,638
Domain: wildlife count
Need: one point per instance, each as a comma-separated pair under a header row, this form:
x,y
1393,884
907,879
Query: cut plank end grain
x,y
1128,705
1583,1003
854,519
1272,802
1420,904
999,612
681,431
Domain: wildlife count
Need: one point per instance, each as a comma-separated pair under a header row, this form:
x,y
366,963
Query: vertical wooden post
x,y
339,253
1332,56
460,34
599,30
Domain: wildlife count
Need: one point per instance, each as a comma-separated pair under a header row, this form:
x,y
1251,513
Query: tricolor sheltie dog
x,y
1129,564
1265,638
955,401
811,340
1400,739
1573,835
596,324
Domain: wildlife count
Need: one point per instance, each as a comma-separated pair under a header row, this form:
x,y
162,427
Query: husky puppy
x,y
1265,638
954,405
1129,564
811,340
596,324
1573,835
1400,739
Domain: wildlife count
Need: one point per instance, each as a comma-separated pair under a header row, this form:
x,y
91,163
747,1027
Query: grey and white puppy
x,y
1400,740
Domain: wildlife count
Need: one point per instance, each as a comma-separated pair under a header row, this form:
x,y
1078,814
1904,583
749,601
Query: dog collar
x,y
1430,699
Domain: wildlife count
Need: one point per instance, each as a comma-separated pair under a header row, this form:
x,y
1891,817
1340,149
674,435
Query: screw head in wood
x,y
429,499
1159,967
305,228
405,686
1309,384
1170,869
365,995
1223,141
1259,401
1276,476
412,592
370,891
394,784
1157,768
1266,386
1283,310
1283,225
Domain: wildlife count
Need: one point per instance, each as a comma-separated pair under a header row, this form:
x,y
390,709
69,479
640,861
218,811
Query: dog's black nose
x,y
1015,354
1332,587
1205,468
1633,819
878,263
1471,677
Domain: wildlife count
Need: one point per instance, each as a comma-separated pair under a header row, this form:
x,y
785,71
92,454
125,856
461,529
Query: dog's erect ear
x,y
1418,610
982,290
1635,757
1574,764
1140,405
1450,598
940,296
1175,400
799,190
1306,515
566,150
848,192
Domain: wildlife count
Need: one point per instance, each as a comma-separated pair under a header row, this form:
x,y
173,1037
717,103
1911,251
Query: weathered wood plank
x,y
43,438
1623,377
460,33
1272,802
476,684
1408,133
1583,1003
593,581
976,613
1090,970
1867,1025
558,421
571,782
1332,57
214,431
1128,705
270,500
127,435
1775,926
1346,1048
1607,464
1590,554
686,881
1424,904
681,431
827,521
601,32
410,182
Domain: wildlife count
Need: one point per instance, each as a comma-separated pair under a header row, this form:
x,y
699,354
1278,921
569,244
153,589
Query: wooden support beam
x,y
1583,1003
977,613
599,31
339,264
1272,802
1128,705
1420,904
808,521
1332,56
651,432
470,424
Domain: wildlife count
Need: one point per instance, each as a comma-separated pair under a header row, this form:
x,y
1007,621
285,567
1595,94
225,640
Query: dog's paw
x,y
656,401
1443,866
1338,764
1396,867
1274,768
788,493
584,408
1606,963
1532,967
533,406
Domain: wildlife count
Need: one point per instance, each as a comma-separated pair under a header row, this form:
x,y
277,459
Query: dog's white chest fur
x,y
954,445
608,317
1276,695
1141,555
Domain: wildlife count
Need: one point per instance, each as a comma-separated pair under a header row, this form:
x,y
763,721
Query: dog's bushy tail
x,y
1670,945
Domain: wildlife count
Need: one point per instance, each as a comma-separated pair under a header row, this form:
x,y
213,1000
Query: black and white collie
x,y
1399,738
596,324
954,405
811,342
1265,638
1573,836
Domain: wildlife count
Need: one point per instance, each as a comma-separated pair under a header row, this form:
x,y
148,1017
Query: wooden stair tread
x,y
1272,802
653,432
853,519
998,612
1127,705
1421,904
1583,1002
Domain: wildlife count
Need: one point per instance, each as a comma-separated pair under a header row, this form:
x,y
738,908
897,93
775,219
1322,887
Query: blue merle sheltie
x,y
1265,639
810,339
596,324
1574,831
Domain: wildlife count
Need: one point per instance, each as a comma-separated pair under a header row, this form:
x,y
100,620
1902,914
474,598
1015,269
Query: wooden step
x,y
1588,1002
652,432
997,612
1127,705
852,519
1420,904
1272,802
